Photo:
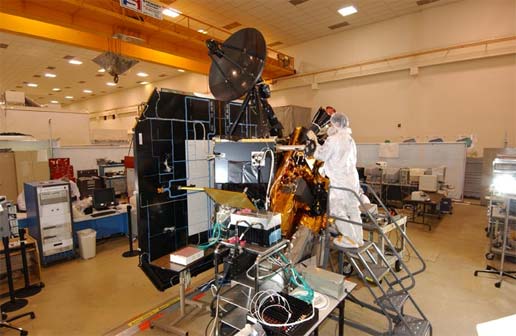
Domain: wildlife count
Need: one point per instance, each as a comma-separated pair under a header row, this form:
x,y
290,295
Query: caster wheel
x,y
476,273
348,269
498,284
397,266
489,268
24,333
490,256
32,316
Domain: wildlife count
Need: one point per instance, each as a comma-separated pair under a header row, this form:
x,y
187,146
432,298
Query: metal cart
x,y
501,229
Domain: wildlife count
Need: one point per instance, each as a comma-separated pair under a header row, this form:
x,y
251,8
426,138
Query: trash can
x,y
87,243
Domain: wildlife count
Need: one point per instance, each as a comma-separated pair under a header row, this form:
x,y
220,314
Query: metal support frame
x,y
370,255
171,326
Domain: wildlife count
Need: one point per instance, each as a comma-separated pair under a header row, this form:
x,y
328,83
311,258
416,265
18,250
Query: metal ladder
x,y
389,289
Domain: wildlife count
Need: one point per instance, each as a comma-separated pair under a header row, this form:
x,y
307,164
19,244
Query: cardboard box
x,y
8,185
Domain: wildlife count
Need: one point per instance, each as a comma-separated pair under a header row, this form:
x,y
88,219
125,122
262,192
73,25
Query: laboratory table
x,y
430,205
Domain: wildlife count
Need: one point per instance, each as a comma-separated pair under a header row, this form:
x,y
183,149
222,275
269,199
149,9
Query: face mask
x,y
332,131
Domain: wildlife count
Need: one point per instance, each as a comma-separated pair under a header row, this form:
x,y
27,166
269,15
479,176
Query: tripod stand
x,y
28,289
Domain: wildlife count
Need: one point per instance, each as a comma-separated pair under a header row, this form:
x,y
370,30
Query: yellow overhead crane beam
x,y
92,24
55,33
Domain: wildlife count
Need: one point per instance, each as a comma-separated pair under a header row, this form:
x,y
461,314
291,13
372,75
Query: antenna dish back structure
x,y
236,70
237,63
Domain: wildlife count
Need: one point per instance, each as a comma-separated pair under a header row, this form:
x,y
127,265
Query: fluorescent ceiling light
x,y
110,84
141,74
75,62
68,97
101,70
202,31
32,84
348,10
56,89
50,75
54,102
87,91
171,12
180,70
143,82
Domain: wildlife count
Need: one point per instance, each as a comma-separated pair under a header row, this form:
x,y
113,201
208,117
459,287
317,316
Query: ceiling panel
x,y
279,20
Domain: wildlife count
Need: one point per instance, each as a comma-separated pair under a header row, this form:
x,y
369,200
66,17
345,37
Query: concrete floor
x,y
93,297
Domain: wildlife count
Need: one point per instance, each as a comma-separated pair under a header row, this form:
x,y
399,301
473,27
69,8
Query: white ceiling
x,y
281,21
25,58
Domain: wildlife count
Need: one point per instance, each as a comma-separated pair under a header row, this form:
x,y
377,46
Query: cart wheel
x,y
489,256
397,266
347,269
488,268
498,284
476,273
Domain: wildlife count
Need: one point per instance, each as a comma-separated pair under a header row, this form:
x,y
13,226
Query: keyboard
x,y
103,213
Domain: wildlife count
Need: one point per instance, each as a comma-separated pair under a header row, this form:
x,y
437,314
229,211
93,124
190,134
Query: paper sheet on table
x,y
389,150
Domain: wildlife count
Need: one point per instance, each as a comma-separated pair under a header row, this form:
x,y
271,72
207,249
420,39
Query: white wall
x,y
451,24
189,82
72,128
471,97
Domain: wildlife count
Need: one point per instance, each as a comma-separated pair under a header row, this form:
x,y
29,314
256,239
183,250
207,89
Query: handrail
x,y
410,275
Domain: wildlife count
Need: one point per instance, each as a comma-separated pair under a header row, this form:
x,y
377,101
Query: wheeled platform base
x,y
6,322
493,270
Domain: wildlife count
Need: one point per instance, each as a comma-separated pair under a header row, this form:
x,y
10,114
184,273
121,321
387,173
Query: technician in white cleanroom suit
x,y
339,154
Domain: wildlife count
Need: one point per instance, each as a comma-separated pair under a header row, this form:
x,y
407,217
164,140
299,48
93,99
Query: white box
x,y
428,183
14,98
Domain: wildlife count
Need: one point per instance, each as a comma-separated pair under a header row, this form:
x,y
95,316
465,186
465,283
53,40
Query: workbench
x,y
429,205
106,225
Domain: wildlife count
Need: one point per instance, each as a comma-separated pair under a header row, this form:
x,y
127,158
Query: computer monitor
x,y
103,198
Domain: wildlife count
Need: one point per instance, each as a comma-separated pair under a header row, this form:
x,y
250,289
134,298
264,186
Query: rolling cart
x,y
502,235
502,217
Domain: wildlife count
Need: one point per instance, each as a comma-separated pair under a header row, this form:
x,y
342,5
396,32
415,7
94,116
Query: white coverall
x,y
339,154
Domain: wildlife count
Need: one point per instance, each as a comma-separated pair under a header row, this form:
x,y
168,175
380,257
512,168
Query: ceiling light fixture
x,y
50,75
32,84
87,91
56,89
171,12
75,62
143,82
180,70
101,70
348,10
110,84
54,102
68,97
142,74
202,31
